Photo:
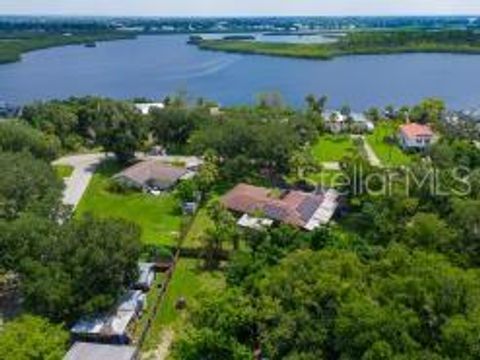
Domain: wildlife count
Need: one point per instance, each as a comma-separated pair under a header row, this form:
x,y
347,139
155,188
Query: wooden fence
x,y
162,291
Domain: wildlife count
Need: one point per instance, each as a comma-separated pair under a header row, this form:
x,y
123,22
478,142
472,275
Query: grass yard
x,y
152,296
63,171
331,148
159,217
188,282
202,222
328,178
389,154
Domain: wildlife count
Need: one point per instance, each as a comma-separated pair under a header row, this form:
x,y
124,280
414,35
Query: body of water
x,y
155,66
319,38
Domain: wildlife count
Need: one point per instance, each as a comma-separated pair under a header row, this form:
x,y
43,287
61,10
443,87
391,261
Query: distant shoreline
x,y
315,52
361,43
15,45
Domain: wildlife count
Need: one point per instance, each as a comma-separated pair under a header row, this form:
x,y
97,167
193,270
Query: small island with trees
x,y
359,43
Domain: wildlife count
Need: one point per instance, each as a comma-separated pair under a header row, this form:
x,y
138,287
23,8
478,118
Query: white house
x,y
145,108
415,136
336,122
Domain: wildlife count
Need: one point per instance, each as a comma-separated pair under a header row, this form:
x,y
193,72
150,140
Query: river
x,y
155,66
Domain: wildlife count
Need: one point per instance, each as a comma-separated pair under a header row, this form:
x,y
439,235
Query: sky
x,y
239,7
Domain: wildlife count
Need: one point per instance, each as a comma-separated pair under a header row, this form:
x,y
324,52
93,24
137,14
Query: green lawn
x,y
328,178
202,222
63,171
188,282
388,153
152,296
333,148
159,217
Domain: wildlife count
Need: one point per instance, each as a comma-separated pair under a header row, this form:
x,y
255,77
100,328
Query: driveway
x,y
371,155
83,168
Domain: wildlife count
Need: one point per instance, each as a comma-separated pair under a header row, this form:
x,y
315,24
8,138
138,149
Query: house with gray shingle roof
x,y
152,174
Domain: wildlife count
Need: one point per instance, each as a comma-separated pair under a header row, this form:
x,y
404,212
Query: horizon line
x,y
73,15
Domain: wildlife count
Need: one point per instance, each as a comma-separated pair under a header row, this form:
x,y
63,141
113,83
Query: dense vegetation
x,y
13,45
397,277
30,337
27,185
89,123
381,42
65,267
17,137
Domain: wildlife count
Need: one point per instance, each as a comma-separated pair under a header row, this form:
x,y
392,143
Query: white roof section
x,y
131,304
146,274
145,108
325,211
254,223
92,351
358,117
189,175
334,115
89,326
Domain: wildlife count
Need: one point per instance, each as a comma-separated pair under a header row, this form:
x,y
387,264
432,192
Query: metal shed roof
x,y
92,351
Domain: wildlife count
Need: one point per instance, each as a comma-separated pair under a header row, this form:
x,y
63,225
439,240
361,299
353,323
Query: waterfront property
x,y
415,136
336,122
307,211
384,143
145,108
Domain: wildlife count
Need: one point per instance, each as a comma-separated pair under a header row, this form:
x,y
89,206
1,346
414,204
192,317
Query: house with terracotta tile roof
x,y
307,211
415,136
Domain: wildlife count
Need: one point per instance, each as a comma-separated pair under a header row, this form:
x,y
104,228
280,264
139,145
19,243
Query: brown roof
x,y
291,207
153,170
414,130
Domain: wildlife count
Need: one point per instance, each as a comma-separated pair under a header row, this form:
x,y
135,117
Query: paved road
x,y
84,166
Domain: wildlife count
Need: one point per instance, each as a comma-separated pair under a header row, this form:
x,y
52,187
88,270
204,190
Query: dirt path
x,y
163,349
371,155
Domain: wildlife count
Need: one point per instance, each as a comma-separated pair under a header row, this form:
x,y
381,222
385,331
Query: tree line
x,y
66,268
395,278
